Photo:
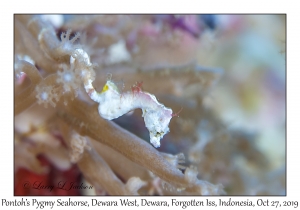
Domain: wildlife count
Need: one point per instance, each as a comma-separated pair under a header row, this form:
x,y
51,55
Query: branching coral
x,y
78,72
56,68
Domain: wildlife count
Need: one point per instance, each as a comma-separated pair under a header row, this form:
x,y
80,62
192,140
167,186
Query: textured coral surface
x,y
149,105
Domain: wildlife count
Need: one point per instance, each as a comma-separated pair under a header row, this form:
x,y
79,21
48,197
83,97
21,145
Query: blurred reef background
x,y
226,74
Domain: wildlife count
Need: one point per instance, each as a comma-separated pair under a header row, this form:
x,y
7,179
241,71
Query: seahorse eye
x,y
105,88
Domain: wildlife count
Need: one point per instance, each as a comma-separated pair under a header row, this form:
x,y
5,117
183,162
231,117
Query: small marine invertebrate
x,y
112,105
86,110
78,144
79,120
